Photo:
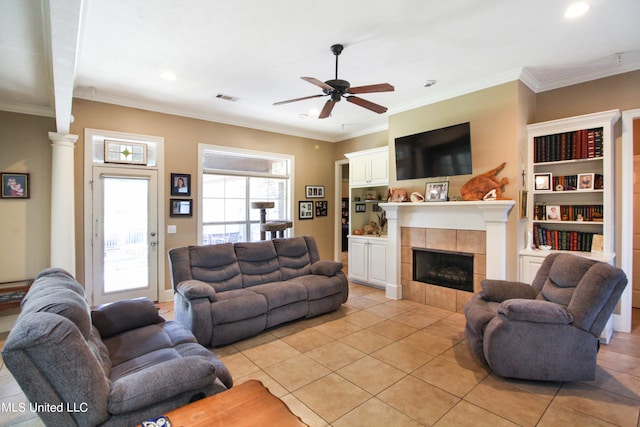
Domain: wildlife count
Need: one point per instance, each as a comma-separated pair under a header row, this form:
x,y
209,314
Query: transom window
x,y
231,181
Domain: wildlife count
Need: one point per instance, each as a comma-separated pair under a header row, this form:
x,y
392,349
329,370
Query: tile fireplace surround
x,y
473,227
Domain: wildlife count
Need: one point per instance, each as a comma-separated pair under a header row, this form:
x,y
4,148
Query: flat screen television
x,y
435,153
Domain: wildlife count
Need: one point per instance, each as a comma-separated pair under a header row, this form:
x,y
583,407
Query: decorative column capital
x,y
62,139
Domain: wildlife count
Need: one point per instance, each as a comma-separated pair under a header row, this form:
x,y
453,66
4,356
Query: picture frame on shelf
x,y
181,184
585,181
542,181
305,209
436,191
553,213
314,191
181,207
322,208
361,207
15,185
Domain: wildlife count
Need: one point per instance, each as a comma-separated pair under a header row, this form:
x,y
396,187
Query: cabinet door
x,y
358,260
378,263
358,171
529,266
379,172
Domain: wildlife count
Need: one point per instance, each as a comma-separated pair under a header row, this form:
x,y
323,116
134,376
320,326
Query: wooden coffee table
x,y
248,404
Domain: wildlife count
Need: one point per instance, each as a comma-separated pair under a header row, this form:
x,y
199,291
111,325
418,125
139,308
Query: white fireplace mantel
x,y
489,216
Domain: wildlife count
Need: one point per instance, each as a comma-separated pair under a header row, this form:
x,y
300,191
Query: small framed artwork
x,y
15,185
436,191
305,210
553,212
181,207
181,184
322,208
361,207
585,181
314,191
542,182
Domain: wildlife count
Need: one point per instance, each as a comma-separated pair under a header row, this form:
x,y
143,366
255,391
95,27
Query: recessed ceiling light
x,y
168,75
302,116
576,9
429,83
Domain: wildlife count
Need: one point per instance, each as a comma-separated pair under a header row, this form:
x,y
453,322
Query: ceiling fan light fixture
x,y
576,9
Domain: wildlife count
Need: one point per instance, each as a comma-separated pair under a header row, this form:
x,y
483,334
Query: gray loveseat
x,y
230,291
548,330
118,365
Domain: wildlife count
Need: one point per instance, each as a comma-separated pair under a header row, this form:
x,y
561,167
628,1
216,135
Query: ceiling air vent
x,y
226,97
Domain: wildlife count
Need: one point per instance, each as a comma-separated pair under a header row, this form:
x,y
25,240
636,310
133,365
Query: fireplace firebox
x,y
449,269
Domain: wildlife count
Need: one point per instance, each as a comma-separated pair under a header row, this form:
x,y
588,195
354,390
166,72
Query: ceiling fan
x,y
338,89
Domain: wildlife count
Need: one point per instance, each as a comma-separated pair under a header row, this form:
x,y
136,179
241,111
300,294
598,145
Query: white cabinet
x,y
369,167
368,260
570,183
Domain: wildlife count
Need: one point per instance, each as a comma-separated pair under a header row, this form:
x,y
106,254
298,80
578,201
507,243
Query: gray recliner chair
x,y
548,330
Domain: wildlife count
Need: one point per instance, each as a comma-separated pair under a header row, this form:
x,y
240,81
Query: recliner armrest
x,y
326,267
160,382
194,289
502,290
535,311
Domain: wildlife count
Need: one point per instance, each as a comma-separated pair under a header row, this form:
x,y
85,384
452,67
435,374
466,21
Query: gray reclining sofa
x,y
118,365
230,291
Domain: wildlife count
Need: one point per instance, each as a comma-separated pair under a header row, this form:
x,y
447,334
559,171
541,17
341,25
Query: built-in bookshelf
x,y
570,202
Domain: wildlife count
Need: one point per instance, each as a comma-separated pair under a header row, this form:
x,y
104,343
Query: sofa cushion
x,y
501,290
121,316
281,293
319,286
58,299
527,310
293,256
216,264
240,304
258,262
156,382
564,276
136,342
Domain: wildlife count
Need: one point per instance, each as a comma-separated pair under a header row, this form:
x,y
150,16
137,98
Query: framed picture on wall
x,y
305,210
181,207
322,208
181,184
314,191
15,185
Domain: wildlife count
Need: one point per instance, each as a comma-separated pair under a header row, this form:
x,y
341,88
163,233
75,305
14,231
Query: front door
x,y
125,228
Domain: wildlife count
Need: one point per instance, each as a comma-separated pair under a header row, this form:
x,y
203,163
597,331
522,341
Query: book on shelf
x,y
580,144
563,240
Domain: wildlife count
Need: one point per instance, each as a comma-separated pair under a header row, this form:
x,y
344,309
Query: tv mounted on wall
x,y
435,153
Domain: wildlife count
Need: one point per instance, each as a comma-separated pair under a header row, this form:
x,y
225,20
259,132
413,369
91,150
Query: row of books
x,y
571,183
549,212
580,241
580,144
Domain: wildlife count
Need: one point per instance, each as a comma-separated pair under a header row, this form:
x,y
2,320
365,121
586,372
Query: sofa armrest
x,y
194,289
120,316
502,290
326,267
535,311
160,382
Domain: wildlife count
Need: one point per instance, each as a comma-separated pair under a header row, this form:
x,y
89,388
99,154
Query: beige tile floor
x,y
379,362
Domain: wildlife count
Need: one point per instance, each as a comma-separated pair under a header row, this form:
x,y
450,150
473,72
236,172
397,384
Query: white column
x,y
63,242
496,217
393,289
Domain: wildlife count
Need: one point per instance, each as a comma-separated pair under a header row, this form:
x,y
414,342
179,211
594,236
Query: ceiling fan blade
x,y
380,87
367,104
298,99
317,82
326,110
